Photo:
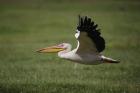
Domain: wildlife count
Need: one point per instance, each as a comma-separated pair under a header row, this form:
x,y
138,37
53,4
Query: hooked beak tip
x,y
39,51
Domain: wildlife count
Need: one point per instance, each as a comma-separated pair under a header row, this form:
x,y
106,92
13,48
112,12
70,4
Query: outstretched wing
x,y
88,36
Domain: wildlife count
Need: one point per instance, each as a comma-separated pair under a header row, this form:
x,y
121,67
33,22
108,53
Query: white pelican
x,y
89,47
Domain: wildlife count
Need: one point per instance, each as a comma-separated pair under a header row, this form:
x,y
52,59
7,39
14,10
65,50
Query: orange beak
x,y
52,49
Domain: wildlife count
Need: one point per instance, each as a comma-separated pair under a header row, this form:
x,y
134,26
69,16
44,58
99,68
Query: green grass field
x,y
29,25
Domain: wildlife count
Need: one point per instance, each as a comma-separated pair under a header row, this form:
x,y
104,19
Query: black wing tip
x,y
86,24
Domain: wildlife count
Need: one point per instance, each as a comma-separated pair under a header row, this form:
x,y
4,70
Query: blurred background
x,y
27,25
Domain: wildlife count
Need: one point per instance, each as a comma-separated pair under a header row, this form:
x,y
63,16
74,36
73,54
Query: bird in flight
x,y
90,44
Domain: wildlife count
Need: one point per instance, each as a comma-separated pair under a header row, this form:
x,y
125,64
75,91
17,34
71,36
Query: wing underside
x,y
89,36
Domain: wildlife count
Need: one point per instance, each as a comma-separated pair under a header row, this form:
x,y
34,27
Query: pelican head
x,y
56,48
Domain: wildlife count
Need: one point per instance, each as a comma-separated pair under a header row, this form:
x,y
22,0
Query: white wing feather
x,y
85,44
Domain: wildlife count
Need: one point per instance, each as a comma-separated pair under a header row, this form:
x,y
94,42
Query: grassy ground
x,y
29,25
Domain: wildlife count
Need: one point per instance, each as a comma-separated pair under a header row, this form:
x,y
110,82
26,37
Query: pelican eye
x,y
61,45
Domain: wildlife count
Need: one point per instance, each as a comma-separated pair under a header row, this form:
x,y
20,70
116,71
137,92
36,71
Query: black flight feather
x,y
87,25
